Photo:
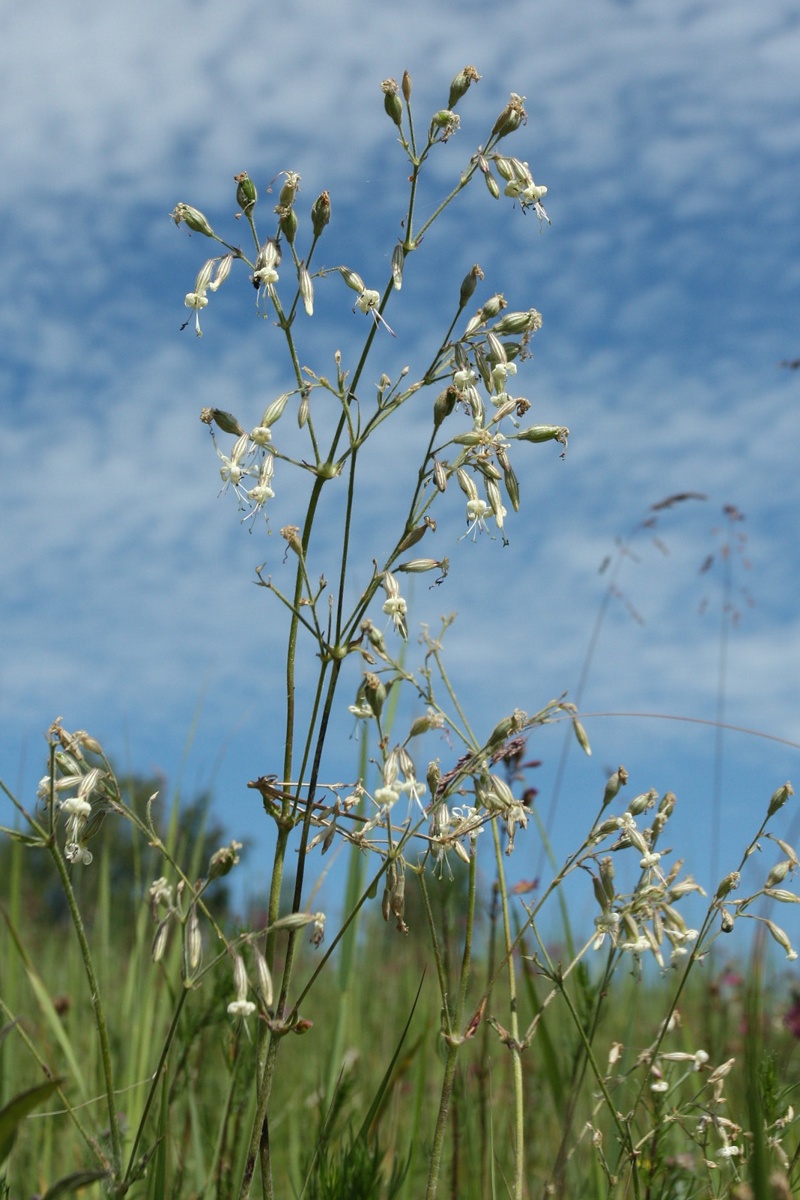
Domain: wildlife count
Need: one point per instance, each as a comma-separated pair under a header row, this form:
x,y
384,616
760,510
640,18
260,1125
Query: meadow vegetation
x,y
437,1038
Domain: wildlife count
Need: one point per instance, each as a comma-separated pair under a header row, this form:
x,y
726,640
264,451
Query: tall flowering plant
x,y
409,817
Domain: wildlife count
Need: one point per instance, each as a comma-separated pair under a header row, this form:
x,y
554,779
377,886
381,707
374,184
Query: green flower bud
x,y
413,536
484,370
782,940
504,729
615,782
543,433
447,121
580,734
439,476
193,218
778,875
468,285
416,566
496,352
433,776
460,85
288,225
226,422
306,289
246,194
494,305
374,693
505,167
512,486
392,102
398,259
476,437
492,184
275,410
518,322
406,86
607,877
779,798
644,802
667,805
599,894
320,213
729,884
443,405
510,119
223,861
289,190
352,280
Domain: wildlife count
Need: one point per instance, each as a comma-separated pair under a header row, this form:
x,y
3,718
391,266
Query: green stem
x,y
97,1005
156,1080
455,1038
513,1043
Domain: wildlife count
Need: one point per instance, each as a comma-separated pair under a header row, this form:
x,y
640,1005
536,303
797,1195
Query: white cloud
x,y
668,138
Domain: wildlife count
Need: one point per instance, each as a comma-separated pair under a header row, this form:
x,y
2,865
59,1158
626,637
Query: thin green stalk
x,y
157,1076
97,1006
513,1042
454,1037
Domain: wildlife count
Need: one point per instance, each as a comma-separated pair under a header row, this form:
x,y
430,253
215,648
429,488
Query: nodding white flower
x,y
75,806
261,492
637,947
462,379
477,512
261,435
241,1008
500,374
267,276
395,607
368,302
728,1152
75,853
386,796
606,926
196,300
232,472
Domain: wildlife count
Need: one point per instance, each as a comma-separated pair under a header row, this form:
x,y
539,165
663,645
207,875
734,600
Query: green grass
x,y
195,1136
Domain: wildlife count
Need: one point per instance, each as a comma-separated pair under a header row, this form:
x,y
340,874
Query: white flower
x,y
241,1008
395,607
75,853
196,300
500,374
261,492
477,512
606,926
386,796
74,806
267,276
729,1152
368,302
232,471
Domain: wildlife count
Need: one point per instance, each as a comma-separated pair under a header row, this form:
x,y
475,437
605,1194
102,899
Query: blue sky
x,y
668,137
